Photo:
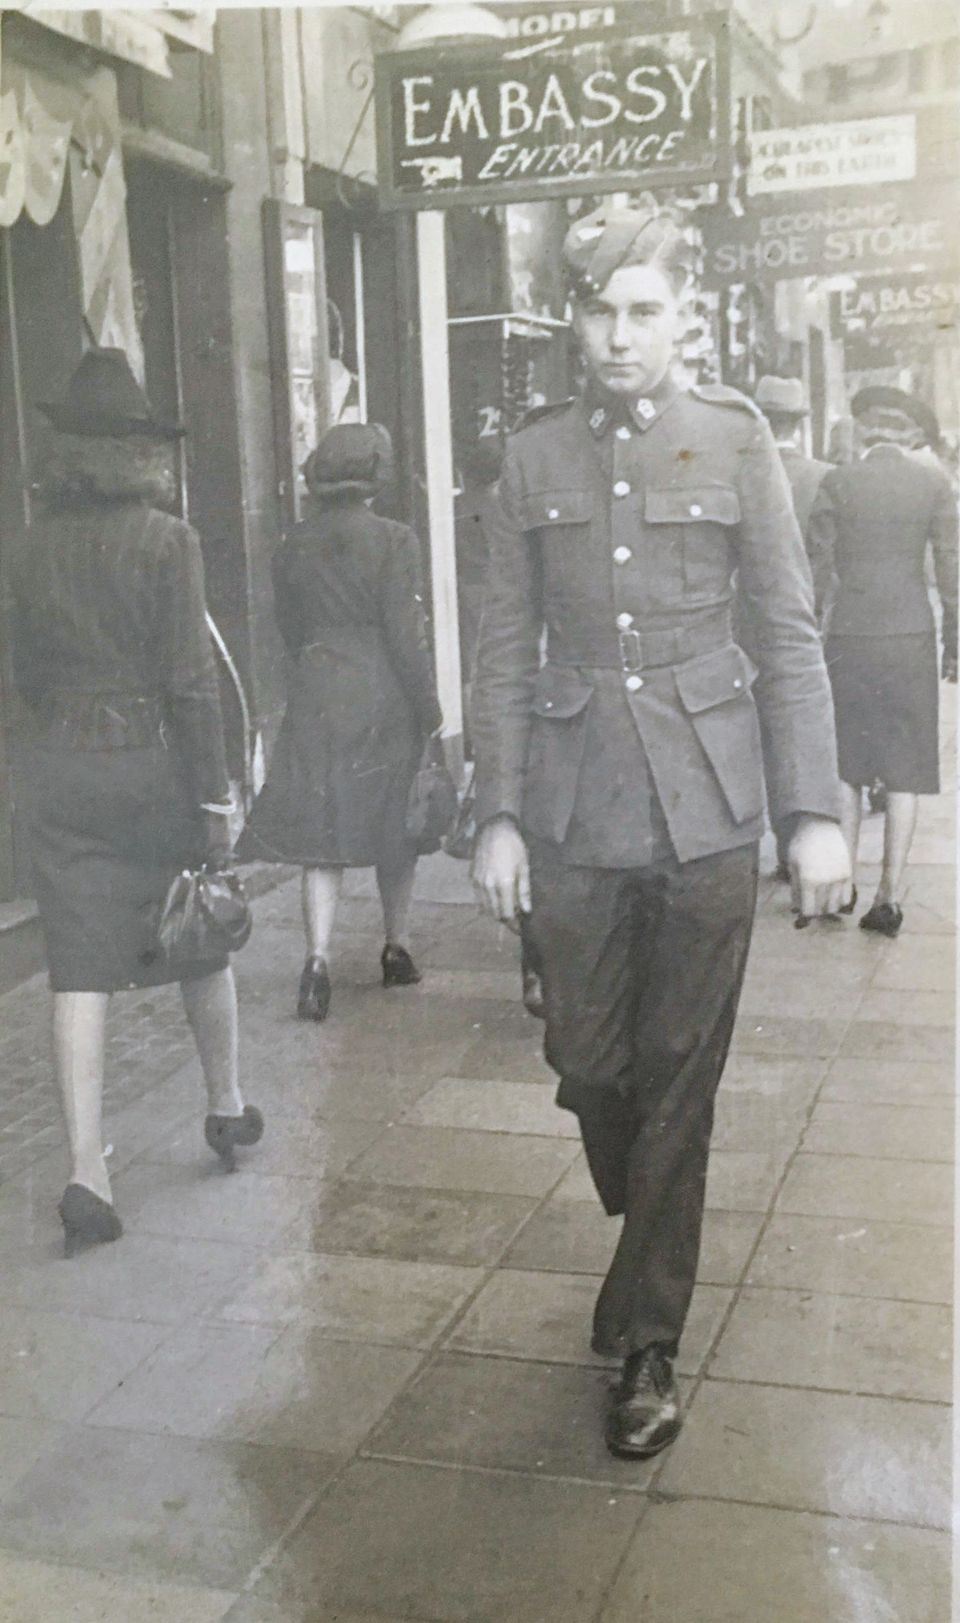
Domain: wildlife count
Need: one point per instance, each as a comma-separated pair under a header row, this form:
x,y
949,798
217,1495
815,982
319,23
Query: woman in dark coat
x,y
361,703
127,770
874,519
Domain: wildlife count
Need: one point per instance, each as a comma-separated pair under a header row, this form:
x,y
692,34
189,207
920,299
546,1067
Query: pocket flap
x,y
543,508
714,678
561,692
688,504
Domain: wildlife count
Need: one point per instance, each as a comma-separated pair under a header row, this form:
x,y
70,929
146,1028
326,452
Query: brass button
x,y
621,555
624,622
634,683
621,488
623,432
737,682
548,704
695,510
553,512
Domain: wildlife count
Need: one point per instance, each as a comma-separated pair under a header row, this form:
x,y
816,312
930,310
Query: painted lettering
x,y
592,92
411,107
654,95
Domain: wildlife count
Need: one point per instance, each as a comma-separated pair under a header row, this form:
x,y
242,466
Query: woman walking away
x,y
127,769
876,517
361,703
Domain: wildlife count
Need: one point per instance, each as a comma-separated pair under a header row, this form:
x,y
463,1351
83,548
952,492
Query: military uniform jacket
x,y
620,537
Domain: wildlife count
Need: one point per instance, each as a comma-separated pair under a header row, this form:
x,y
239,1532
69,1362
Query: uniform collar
x,y
603,410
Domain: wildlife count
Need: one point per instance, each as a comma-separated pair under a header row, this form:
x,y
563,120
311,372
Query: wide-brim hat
x,y
781,397
104,399
883,397
351,459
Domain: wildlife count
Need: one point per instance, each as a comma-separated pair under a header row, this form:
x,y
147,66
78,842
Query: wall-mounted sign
x,y
856,152
911,304
509,120
898,227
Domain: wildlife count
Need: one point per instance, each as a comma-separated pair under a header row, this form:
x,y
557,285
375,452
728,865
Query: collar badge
x,y
598,419
646,408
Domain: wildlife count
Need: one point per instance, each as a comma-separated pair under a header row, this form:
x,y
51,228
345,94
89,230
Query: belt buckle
x,y
631,651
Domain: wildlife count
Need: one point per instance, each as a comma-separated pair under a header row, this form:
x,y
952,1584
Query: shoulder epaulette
x,y
720,394
537,413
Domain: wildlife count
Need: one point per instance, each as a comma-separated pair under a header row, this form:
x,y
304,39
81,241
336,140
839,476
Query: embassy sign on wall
x,y
513,120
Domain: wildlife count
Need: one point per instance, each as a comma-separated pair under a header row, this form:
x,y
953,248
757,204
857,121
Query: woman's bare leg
x,y
851,812
898,830
395,884
211,1009
79,1039
320,894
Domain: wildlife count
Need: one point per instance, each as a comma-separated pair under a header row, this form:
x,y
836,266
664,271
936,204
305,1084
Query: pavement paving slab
x,y
352,1383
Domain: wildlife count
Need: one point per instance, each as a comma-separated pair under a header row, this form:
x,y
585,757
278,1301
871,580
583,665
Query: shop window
x,y
299,342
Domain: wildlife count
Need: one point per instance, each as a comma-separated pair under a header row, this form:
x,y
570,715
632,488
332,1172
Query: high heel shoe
x,y
87,1219
313,998
398,967
225,1133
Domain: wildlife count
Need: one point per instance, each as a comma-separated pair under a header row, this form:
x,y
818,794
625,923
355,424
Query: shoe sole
x,y
623,1451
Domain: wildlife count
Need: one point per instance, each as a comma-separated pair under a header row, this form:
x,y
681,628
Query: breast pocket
x,y
715,692
698,525
559,523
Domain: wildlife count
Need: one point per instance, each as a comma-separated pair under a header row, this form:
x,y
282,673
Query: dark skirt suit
x,y
873,520
361,694
113,656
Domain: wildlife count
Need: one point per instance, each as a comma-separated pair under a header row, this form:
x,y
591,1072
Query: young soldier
x,y
620,787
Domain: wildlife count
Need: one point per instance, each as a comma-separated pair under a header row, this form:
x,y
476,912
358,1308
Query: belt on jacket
x,y
632,650
102,721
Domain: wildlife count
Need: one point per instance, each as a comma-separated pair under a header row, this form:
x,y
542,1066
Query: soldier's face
x,y
629,330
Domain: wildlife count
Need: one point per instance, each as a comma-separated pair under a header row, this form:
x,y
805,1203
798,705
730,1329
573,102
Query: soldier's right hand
x,y
501,872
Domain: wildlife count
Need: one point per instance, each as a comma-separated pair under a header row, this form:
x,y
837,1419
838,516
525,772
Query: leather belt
x,y
633,650
102,721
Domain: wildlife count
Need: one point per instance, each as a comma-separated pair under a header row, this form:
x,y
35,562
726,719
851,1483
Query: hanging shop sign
x,y
854,152
896,227
513,120
909,305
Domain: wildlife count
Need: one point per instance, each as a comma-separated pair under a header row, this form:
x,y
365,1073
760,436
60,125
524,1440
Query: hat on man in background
x,y
781,397
894,415
104,400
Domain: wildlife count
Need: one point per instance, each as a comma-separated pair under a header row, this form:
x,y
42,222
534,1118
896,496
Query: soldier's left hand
x,y
821,881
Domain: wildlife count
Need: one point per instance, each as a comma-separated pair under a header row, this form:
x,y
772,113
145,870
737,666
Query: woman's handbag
x,y
205,914
462,836
432,802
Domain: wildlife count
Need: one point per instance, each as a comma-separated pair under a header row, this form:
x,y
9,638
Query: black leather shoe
x,y
313,998
398,967
885,918
782,874
225,1133
87,1219
645,1416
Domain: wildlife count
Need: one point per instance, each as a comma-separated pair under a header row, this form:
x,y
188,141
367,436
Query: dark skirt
x,y
109,829
886,697
341,770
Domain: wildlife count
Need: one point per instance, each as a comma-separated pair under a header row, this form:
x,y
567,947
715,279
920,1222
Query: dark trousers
x,y
642,970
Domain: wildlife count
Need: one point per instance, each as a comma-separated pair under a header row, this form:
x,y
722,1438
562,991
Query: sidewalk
x,y
352,1384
